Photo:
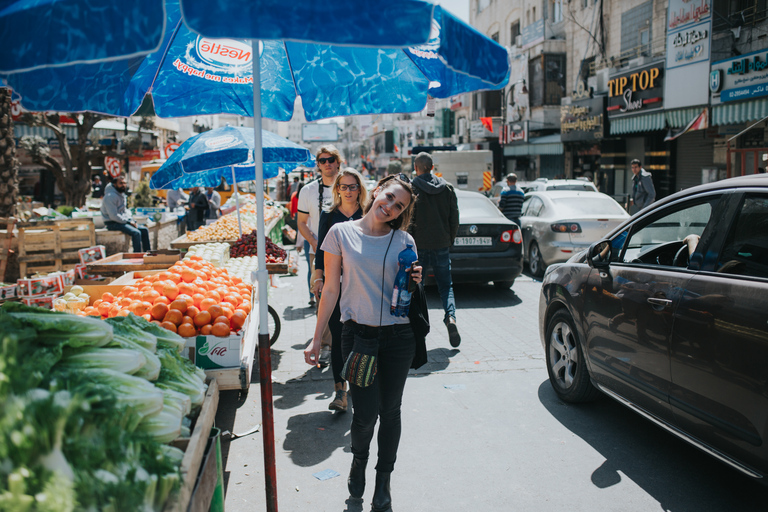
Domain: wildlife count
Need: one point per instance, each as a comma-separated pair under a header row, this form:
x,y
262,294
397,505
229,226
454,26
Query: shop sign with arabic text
x,y
739,78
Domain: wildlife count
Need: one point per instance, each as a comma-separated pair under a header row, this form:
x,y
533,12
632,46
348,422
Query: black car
x,y
488,246
667,315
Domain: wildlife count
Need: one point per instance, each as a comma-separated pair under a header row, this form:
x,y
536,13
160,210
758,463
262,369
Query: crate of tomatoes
x,y
204,304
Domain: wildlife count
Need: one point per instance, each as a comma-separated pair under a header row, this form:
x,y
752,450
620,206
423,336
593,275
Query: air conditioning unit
x,y
519,41
601,81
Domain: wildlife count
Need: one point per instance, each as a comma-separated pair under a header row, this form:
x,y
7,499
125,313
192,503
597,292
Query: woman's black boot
x,y
382,499
356,481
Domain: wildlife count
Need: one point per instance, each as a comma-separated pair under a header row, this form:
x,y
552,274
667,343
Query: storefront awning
x,y
103,129
635,124
547,145
681,117
739,112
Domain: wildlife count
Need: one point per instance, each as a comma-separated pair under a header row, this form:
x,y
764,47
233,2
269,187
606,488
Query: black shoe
x,y
453,332
356,481
325,357
382,498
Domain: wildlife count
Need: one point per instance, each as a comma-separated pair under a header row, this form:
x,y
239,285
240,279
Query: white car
x,y
542,184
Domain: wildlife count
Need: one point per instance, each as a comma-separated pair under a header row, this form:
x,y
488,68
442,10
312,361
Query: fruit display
x,y
73,301
216,252
246,246
225,228
242,267
192,297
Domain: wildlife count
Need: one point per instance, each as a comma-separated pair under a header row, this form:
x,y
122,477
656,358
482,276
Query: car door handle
x,y
655,301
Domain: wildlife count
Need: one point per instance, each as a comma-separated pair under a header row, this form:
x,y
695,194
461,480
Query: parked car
x,y
559,223
667,316
542,184
488,246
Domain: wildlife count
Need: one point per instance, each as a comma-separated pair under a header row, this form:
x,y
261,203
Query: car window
x,y
746,247
577,186
534,207
658,241
592,205
478,206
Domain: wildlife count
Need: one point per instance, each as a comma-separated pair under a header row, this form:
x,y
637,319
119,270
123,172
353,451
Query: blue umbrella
x,y
199,161
193,75
44,33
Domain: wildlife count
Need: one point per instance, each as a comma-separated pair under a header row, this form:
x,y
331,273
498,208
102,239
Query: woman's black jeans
x,y
335,325
383,398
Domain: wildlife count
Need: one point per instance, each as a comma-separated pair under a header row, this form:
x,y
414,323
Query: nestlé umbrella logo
x,y
223,53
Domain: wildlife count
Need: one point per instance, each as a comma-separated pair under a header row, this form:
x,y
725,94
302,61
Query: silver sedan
x,y
556,224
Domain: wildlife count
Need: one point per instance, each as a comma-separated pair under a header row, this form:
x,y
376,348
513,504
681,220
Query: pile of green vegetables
x,y
87,407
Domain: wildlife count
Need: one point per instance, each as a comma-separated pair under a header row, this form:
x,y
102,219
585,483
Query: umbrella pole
x,y
237,201
265,356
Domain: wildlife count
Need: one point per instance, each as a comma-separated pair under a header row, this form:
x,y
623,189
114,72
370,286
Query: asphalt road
x,y
482,429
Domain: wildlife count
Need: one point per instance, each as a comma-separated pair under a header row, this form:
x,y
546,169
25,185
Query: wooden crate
x,y
47,246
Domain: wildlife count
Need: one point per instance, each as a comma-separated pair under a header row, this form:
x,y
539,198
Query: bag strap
x,y
383,269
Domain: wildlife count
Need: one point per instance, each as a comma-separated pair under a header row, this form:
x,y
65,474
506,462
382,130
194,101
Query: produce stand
x,y
272,227
194,448
121,262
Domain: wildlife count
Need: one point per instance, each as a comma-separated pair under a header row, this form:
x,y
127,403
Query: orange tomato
x,y
180,305
207,303
215,310
140,308
221,320
202,318
150,295
221,330
188,275
187,289
174,316
206,329
175,278
235,300
97,302
168,325
192,311
170,290
135,295
164,275
125,302
123,312
104,308
187,320
161,300
195,257
108,297
213,294
159,311
187,330
238,319
147,317
197,298
245,306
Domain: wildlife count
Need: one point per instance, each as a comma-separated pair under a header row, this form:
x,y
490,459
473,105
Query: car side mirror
x,y
599,255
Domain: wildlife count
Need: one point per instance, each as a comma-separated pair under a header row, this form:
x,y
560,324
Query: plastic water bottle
x,y
401,294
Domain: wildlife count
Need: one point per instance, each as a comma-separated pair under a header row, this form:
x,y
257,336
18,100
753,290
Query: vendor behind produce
x,y
118,218
176,198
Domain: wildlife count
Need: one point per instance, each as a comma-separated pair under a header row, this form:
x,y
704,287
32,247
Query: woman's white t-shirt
x,y
363,298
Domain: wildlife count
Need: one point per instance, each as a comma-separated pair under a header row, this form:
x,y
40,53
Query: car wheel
x,y
566,364
535,262
504,285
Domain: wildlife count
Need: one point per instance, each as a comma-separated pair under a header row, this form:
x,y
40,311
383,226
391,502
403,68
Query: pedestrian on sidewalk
x,y
379,348
435,225
511,199
643,191
349,196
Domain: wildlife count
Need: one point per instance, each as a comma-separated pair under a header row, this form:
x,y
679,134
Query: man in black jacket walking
x,y
435,224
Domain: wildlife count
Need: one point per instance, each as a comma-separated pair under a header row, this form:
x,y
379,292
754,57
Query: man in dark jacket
x,y
643,191
435,224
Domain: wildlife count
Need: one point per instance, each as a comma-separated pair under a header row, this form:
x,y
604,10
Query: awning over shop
x,y
681,117
547,145
103,129
739,112
643,123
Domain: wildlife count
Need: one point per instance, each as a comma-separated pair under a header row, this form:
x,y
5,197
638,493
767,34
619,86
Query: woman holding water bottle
x,y
377,345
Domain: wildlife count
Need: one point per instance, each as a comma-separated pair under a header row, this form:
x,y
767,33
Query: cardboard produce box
x,y
40,286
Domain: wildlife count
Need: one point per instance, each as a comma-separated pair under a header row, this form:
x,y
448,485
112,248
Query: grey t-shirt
x,y
362,259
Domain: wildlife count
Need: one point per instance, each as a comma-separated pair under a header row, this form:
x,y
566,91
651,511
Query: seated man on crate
x,y
118,218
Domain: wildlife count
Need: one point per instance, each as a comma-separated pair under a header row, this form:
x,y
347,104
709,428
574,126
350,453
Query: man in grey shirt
x,y
118,218
643,191
176,198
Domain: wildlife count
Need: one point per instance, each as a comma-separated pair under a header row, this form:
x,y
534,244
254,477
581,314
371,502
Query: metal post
x,y
237,201
265,356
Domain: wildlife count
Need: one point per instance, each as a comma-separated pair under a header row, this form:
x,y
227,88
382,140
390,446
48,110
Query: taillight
x,y
566,227
513,236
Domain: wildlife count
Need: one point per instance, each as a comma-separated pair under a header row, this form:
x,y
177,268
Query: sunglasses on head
x,y
352,187
328,160
403,177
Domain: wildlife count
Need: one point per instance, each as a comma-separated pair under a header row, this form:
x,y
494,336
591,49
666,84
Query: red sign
x,y
112,166
170,148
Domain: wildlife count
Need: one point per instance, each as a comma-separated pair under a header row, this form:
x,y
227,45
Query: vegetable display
x,y
79,429
192,297
246,246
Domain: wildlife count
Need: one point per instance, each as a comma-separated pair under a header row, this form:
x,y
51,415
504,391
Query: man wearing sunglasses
x,y
435,225
313,198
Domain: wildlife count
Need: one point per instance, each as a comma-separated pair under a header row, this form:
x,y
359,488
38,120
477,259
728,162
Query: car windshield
x,y
577,206
477,207
574,186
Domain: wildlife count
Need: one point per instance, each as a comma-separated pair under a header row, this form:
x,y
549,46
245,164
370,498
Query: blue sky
x,y
458,7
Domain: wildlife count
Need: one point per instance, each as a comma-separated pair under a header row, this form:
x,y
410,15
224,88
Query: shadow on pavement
x,y
291,313
296,391
474,295
659,463
313,437
437,359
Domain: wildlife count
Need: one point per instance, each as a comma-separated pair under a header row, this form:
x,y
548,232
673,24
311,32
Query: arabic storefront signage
x,y
688,46
583,120
636,91
683,13
533,33
739,78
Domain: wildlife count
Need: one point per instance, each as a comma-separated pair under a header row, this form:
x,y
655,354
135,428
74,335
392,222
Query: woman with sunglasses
x,y
349,196
368,250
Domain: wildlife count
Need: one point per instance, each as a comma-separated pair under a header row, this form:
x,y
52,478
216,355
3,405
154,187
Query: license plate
x,y
473,240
